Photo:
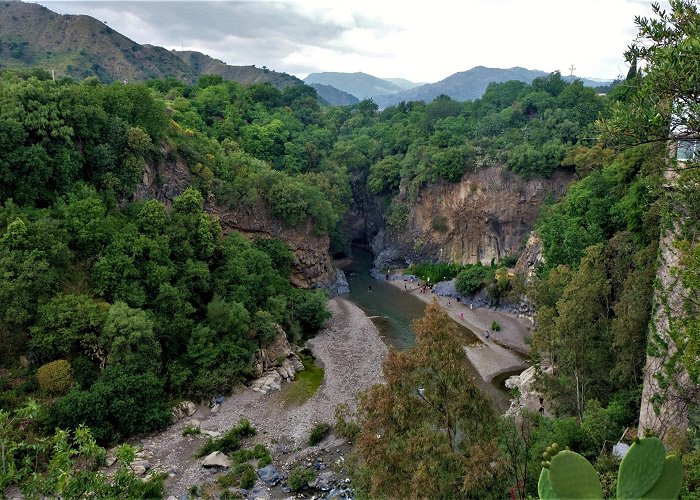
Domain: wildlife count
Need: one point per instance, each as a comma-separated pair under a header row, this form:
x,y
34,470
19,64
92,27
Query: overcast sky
x,y
423,41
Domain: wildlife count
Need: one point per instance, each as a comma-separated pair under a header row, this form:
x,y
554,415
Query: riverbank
x,y
503,352
350,350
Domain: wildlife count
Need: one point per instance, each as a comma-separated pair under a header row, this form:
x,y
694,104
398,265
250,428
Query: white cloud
x,y
421,41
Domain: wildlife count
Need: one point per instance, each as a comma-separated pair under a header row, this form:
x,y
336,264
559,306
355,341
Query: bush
x,y
191,430
230,441
318,433
241,476
473,277
299,478
496,326
55,377
119,404
258,452
344,427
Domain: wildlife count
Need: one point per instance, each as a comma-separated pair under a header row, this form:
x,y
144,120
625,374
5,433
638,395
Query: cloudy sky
x,y
423,41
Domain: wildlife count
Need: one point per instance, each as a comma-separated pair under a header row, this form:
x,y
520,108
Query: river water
x,y
392,310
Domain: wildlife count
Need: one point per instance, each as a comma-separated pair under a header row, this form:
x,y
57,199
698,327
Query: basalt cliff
x,y
486,216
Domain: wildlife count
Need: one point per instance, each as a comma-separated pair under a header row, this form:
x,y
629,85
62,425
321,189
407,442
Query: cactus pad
x,y
544,489
669,484
572,476
640,468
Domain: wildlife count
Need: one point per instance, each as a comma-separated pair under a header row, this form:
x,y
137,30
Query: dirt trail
x,y
351,352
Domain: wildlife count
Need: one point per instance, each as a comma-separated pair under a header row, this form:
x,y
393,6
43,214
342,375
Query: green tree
x,y
428,431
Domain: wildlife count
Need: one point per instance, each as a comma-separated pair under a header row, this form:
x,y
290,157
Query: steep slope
x,y
486,216
403,83
334,96
32,36
360,85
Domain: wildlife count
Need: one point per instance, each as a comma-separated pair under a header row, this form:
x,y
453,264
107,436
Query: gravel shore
x,y
503,351
350,350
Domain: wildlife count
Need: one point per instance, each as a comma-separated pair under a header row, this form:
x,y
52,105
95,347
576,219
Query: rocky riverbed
x,y
350,350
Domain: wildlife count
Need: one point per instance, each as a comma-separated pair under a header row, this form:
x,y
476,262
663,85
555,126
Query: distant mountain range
x,y
360,85
79,46
333,95
462,86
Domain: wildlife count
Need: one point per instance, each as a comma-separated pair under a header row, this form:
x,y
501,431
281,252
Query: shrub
x,y
344,427
496,326
230,441
55,377
258,452
191,430
318,433
299,478
473,277
242,476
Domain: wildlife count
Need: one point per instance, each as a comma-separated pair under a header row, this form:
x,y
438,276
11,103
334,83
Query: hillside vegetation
x,y
32,36
111,308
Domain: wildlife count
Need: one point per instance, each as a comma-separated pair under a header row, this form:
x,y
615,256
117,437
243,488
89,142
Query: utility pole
x,y
571,68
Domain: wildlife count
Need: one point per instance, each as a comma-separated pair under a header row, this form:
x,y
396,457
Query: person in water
x,y
369,288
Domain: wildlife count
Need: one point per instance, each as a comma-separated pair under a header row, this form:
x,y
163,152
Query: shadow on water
x,y
393,310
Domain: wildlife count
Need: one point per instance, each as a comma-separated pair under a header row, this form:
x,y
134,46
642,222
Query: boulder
x,y
269,475
216,459
272,355
183,409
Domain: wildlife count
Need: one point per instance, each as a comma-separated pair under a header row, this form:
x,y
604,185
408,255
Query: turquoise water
x,y
393,310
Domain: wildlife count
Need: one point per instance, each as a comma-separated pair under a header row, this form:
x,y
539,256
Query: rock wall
x,y
488,215
312,267
668,390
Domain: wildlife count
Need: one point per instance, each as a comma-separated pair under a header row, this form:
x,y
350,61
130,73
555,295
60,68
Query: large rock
x,y
269,475
216,459
183,409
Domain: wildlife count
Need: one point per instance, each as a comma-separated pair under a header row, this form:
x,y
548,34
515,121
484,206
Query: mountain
x,y
334,96
469,85
463,86
403,83
32,36
361,85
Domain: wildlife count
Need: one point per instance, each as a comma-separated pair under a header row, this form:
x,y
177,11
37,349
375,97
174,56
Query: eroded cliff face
x,y
312,267
486,216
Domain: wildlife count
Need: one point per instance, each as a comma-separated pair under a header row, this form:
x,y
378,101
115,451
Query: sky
x,y
422,41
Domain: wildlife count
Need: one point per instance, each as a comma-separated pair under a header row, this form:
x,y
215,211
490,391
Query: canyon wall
x,y
486,216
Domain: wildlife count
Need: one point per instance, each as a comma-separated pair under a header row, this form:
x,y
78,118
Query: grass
x,y
305,383
229,441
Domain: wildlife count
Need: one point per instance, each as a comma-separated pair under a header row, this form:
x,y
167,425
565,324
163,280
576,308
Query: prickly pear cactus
x,y
645,472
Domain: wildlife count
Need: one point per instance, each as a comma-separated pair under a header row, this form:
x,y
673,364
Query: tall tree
x,y
428,431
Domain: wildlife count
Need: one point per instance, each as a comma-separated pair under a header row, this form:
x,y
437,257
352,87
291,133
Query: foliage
x,y
474,277
428,427
345,426
300,477
55,377
645,472
495,326
319,432
229,441
121,402
305,383
435,272
242,475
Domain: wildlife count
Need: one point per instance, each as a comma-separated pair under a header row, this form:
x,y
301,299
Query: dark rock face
x,y
486,216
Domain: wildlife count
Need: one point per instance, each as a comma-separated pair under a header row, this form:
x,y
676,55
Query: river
x,y
393,312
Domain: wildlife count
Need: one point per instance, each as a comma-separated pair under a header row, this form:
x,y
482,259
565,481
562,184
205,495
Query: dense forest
x,y
114,308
